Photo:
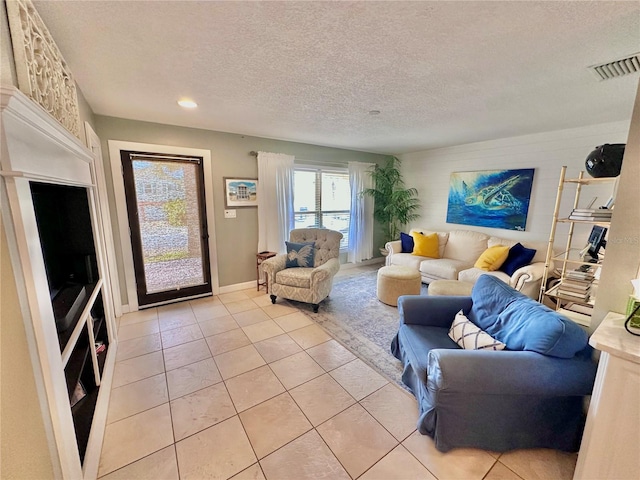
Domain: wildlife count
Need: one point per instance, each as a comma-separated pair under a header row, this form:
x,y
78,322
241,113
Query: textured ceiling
x,y
441,73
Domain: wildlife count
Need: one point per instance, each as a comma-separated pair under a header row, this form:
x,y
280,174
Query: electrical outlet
x,y
229,214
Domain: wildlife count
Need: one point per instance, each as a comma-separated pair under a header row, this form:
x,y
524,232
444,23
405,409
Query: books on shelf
x,y
577,283
575,288
570,293
592,211
591,214
590,219
577,276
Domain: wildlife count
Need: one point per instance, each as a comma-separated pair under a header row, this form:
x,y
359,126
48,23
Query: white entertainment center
x,y
40,155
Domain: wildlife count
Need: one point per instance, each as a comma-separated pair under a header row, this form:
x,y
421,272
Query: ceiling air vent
x,y
617,68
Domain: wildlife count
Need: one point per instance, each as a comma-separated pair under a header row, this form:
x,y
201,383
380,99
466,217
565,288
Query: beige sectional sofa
x,y
459,250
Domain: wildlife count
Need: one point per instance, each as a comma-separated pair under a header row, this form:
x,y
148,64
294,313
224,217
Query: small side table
x,y
261,257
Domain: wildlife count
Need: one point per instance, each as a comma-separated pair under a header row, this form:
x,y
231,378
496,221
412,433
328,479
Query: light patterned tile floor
x,y
234,387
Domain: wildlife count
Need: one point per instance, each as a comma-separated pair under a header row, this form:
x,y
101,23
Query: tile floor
x,y
234,387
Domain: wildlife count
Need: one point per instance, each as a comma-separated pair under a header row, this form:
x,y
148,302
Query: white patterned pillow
x,y
470,337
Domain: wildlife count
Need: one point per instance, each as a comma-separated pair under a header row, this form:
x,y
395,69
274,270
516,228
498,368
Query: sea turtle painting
x,y
494,197
490,198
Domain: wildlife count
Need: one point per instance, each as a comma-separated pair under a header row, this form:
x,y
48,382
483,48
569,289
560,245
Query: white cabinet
x,y
611,442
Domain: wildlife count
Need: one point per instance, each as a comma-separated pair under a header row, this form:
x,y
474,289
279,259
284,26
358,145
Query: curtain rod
x,y
320,163
310,163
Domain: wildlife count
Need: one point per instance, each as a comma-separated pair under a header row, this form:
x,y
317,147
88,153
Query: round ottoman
x,y
395,280
450,287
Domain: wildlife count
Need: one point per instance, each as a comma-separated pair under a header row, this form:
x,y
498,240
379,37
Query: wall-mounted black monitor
x,y
596,242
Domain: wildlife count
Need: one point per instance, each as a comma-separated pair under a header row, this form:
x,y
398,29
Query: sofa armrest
x,y
273,265
393,247
431,311
325,271
528,274
509,373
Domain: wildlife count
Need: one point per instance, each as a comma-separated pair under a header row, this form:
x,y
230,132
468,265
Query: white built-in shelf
x,y
36,148
82,321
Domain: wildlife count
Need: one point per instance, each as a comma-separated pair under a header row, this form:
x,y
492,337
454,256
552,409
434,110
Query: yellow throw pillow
x,y
492,258
426,245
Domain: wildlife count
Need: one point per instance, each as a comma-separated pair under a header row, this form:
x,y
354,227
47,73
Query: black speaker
x,y
605,160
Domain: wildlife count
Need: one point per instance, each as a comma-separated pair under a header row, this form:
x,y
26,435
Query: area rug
x,y
355,317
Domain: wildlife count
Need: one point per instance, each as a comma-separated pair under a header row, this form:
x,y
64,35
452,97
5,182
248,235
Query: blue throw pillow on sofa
x,y
300,254
527,325
407,242
519,256
522,323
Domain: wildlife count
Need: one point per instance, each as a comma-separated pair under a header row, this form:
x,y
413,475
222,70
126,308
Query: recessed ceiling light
x,y
187,103
374,112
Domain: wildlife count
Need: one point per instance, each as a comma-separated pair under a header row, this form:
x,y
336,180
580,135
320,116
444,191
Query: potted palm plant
x,y
394,204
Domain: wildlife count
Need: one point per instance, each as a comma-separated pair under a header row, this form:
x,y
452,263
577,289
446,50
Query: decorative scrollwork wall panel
x,y
42,72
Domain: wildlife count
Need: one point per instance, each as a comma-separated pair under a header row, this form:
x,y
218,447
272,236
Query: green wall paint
x,y
237,238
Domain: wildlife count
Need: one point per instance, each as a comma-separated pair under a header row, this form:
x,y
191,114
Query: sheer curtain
x,y
361,219
275,200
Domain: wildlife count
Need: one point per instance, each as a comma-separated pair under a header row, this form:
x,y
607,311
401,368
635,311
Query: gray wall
x,y
86,114
237,238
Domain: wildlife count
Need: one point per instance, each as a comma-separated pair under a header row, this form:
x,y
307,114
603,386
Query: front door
x,y
167,219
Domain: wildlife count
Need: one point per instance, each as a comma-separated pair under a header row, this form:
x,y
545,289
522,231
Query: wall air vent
x,y
617,68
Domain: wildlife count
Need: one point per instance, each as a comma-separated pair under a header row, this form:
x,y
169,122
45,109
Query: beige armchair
x,y
306,284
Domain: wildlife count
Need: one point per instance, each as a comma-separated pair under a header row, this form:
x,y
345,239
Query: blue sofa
x,y
529,395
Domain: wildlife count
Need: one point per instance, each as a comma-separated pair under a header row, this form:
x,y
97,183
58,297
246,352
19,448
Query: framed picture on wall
x,y
240,192
490,198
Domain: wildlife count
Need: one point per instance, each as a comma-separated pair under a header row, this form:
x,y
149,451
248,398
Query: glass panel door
x,y
165,204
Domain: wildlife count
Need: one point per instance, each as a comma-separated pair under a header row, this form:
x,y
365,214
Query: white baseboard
x,y
252,284
372,261
238,286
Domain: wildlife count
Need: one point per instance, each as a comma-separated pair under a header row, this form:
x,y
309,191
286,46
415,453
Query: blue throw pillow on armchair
x,y
519,256
407,242
300,254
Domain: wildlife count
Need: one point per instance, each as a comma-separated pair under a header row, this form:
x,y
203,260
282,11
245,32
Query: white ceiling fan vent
x,y
617,68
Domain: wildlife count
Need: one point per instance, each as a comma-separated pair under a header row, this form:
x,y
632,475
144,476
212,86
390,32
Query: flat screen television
x,y
596,242
66,237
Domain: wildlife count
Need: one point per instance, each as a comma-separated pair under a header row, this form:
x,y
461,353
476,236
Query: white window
x,y
322,199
